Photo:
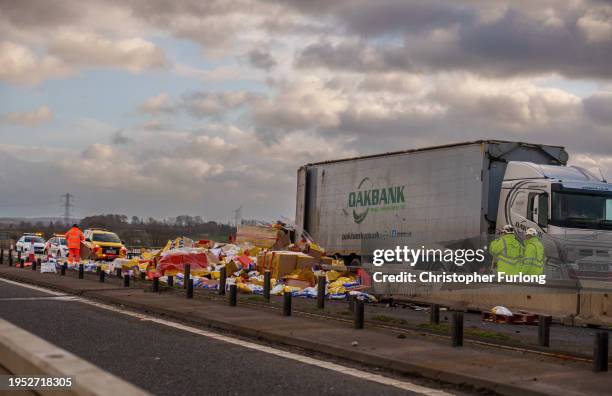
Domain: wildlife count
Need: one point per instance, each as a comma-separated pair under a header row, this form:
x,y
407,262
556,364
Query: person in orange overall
x,y
74,236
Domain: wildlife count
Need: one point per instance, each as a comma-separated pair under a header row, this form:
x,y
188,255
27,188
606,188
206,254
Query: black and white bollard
x,y
457,329
359,313
321,286
287,304
81,270
34,263
233,295
434,314
266,285
222,280
544,330
170,280
600,352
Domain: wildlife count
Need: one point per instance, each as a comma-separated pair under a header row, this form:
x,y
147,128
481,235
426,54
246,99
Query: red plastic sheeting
x,y
176,260
245,260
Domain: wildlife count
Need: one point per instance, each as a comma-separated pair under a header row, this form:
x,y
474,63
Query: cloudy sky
x,y
158,108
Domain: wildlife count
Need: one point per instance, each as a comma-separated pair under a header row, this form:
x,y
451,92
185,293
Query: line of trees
x,y
134,231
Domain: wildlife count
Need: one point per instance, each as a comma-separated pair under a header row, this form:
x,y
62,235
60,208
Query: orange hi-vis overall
x,y
74,236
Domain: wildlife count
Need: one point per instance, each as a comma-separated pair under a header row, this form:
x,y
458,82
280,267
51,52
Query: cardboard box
x,y
327,260
261,257
306,261
230,268
260,236
86,251
269,256
314,250
282,242
283,263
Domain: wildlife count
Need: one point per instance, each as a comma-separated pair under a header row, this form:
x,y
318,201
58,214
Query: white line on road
x,y
404,385
49,298
37,288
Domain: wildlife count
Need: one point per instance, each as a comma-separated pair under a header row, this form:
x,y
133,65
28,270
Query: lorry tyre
x,y
353,261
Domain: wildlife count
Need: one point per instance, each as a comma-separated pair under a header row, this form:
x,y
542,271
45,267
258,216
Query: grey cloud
x,y
355,56
215,104
261,59
599,108
490,38
28,12
210,23
453,109
119,138
370,18
397,83
515,43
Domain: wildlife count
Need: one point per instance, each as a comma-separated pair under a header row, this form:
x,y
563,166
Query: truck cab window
x,y
537,210
609,209
542,218
582,210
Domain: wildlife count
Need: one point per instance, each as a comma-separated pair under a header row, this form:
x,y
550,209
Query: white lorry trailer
x,y
457,197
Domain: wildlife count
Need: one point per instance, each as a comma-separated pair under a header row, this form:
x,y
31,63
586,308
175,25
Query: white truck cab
x,y
569,207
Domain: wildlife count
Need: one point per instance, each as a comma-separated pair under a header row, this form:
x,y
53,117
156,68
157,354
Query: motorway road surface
x,y
165,359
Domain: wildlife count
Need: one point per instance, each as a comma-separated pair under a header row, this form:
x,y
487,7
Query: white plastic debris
x,y
501,310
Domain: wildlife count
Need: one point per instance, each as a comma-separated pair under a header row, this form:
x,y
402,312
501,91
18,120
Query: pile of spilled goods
x,y
294,268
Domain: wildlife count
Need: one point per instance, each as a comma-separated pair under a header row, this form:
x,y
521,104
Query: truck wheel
x,y
354,262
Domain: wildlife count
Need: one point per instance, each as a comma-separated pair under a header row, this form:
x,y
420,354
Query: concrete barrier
x,y
571,301
563,306
22,353
595,309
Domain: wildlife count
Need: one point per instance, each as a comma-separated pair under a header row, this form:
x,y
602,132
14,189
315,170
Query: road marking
x,y
50,298
37,288
400,384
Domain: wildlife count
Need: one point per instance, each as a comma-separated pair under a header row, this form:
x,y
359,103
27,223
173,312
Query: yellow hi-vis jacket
x,y
508,251
533,261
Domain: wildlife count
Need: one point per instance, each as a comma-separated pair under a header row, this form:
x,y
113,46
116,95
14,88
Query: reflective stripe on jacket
x,y
533,262
74,236
508,251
